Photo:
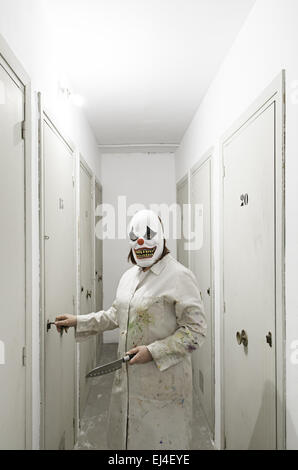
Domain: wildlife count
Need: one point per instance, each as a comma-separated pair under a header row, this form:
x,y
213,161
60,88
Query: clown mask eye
x,y
149,233
133,236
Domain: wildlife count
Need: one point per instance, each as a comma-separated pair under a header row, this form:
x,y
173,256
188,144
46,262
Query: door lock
x,y
269,339
242,338
208,291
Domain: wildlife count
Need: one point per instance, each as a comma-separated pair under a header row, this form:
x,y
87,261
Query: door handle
x,y
49,325
242,338
88,294
269,339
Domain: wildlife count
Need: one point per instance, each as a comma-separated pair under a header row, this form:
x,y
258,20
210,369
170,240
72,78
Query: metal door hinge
x,y
24,356
225,442
224,307
23,131
223,171
73,180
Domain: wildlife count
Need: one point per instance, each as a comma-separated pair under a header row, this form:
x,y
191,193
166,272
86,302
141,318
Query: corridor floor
x,y
92,434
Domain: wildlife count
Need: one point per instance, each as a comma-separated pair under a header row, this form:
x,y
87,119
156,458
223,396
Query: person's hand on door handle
x,y
66,321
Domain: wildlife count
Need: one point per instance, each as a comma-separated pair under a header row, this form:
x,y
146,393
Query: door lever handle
x,y
269,339
49,325
89,294
242,338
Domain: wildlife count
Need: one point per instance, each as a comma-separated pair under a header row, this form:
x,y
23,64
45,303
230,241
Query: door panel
x,y
182,198
12,267
201,266
59,289
98,270
87,348
249,284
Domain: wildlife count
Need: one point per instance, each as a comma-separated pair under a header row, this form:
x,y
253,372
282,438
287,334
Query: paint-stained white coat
x,y
151,404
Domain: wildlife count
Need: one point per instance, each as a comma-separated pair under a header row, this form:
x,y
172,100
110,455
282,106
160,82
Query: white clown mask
x,y
146,238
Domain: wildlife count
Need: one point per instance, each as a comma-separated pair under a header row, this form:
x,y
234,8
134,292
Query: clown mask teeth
x,y
142,253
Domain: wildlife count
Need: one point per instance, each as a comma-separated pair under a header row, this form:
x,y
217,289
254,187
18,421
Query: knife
x,y
111,367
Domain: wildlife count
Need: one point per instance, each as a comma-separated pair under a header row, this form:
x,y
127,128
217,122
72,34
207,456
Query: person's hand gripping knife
x,y
142,356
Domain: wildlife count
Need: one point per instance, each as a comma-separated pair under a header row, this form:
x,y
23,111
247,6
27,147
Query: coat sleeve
x,y
191,325
94,323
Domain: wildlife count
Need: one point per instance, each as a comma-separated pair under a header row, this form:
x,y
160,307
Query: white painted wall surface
x,y
266,44
23,24
144,179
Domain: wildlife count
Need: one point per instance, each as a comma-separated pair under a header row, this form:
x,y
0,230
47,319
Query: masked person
x,y
159,311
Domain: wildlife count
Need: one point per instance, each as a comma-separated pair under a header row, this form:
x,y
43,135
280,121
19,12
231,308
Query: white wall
x,y
24,26
266,44
144,179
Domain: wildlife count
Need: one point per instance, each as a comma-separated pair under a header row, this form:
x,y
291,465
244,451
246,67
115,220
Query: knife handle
x,y
128,357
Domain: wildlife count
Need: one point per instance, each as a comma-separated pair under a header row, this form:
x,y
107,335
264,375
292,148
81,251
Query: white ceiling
x,y
143,66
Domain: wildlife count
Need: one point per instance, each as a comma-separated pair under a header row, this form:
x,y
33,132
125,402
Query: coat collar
x,y
160,265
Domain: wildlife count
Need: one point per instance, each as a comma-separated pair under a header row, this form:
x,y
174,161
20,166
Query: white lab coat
x,y
151,404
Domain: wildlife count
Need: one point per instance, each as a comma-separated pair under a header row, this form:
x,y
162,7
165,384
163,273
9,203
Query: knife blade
x,y
111,367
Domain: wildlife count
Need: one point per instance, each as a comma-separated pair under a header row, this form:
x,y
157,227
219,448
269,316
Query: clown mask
x,y
146,238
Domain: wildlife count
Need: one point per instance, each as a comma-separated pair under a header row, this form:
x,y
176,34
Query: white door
x,y
58,288
98,270
12,266
249,284
203,368
182,199
87,348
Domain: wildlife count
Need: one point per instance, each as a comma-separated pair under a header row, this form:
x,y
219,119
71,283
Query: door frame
x,y
208,157
15,68
274,93
99,342
44,116
184,180
84,164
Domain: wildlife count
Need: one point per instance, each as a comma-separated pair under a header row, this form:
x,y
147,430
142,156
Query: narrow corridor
x,y
148,200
